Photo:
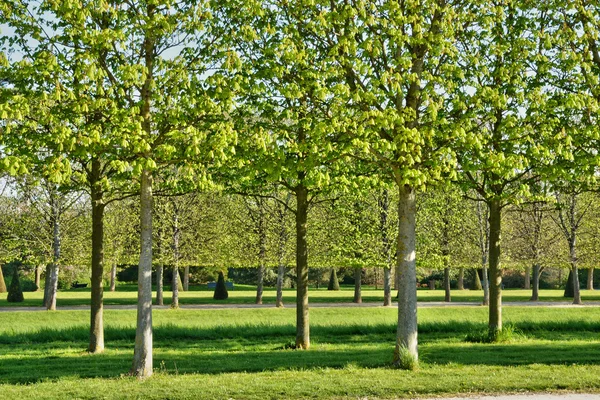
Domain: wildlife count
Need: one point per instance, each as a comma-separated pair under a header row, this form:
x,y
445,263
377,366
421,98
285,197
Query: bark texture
x,y
160,270
282,242
97,304
447,293
113,277
280,277
590,278
406,269
186,278
52,275
357,285
460,284
38,278
575,272
176,281
384,205
495,309
535,290
142,356
302,320
387,286
262,252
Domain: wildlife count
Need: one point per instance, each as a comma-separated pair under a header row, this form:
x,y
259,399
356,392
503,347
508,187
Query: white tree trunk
x,y
142,357
406,269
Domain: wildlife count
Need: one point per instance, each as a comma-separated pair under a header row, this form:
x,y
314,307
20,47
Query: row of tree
x,y
220,231
312,97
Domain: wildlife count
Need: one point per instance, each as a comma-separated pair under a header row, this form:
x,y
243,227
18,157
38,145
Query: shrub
x,y
15,293
334,284
221,289
2,282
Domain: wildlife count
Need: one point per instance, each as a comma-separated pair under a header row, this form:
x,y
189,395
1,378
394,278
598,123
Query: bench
x,y
213,285
77,285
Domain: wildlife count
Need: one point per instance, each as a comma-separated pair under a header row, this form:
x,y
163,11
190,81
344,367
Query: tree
x,y
150,66
512,137
221,288
570,217
334,283
15,293
256,209
398,65
50,214
2,282
532,238
293,136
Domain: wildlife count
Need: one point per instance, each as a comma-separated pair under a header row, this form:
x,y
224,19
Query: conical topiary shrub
x,y
334,284
2,283
569,290
15,294
221,289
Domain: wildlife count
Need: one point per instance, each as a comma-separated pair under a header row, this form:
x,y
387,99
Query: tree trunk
x,y
159,284
259,284
47,284
142,356
590,278
38,278
175,283
576,289
447,296
97,306
262,253
384,204
113,277
283,237
495,314
461,279
280,277
2,282
186,278
569,285
302,322
176,280
54,268
573,256
357,285
527,278
485,287
387,286
406,338
535,294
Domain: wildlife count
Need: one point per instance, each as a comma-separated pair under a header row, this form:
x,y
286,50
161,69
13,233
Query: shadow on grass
x,y
30,369
514,354
332,333
49,354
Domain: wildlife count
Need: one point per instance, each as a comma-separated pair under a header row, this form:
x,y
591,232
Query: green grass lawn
x,y
244,354
245,294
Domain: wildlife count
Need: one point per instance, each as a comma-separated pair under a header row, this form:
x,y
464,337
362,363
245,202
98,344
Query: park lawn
x,y
245,354
245,294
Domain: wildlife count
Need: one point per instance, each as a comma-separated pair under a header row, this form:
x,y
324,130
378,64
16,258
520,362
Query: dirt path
x,y
427,304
